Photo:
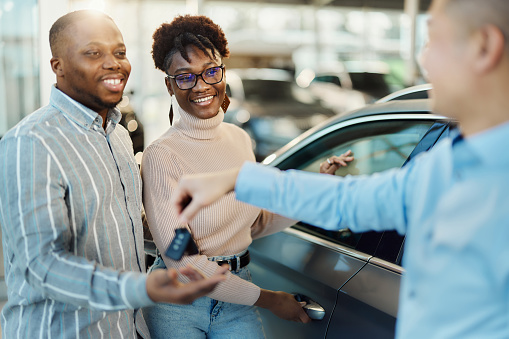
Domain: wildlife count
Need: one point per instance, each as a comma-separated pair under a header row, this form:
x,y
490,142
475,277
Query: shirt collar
x,y
488,147
81,114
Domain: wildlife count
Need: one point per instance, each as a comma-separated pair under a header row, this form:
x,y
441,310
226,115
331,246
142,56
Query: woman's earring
x,y
171,114
225,104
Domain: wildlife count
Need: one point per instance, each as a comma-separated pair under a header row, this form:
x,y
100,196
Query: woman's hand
x,y
283,305
335,162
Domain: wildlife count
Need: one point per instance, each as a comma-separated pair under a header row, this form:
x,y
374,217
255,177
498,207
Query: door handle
x,y
312,308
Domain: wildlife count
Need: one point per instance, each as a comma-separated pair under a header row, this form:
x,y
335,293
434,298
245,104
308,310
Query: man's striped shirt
x,y
70,202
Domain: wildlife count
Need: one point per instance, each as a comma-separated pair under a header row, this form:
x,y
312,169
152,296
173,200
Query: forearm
x,y
269,223
74,280
266,298
360,203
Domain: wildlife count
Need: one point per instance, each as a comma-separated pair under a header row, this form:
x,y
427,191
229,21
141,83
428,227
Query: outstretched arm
x,y
198,191
362,203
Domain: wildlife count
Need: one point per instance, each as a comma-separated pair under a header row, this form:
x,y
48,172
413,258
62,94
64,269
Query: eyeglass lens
x,y
211,76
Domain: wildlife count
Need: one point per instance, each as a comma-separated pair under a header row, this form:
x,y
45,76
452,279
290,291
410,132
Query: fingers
x,y
195,274
192,272
197,289
189,212
327,168
304,318
332,164
180,199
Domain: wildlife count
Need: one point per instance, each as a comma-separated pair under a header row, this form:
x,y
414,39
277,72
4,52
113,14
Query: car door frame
x,y
364,258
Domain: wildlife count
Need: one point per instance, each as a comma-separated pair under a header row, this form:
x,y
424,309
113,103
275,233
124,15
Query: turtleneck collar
x,y
197,128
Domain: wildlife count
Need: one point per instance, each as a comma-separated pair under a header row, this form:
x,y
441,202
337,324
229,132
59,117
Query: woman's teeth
x,y
203,99
113,82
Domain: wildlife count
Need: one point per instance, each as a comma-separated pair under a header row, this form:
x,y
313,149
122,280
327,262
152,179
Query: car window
x,y
377,146
328,78
260,90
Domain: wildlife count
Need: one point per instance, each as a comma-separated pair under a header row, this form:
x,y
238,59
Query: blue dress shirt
x,y
70,210
453,205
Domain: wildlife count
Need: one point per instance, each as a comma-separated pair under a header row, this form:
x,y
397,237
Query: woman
x,y
190,50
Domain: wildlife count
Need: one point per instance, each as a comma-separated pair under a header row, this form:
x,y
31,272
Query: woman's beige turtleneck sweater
x,y
226,227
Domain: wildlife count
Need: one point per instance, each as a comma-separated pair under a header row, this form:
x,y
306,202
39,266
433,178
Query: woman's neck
x,y
197,128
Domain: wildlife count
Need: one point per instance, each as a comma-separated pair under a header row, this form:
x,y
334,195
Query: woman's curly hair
x,y
197,30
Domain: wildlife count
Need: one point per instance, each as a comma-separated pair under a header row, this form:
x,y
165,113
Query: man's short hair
x,y
62,23
476,13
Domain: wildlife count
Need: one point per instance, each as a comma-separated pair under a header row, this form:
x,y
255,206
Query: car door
x,y
316,263
367,305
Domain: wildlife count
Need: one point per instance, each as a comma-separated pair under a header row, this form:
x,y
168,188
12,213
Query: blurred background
x,y
331,56
293,62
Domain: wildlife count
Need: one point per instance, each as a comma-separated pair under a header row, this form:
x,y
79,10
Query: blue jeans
x,y
205,317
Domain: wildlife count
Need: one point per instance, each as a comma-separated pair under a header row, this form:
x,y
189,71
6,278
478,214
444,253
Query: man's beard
x,y
108,105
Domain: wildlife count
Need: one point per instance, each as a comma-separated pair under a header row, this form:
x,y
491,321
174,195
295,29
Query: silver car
x,y
351,280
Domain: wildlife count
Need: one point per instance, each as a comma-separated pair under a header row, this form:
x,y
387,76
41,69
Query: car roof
x,y
399,106
403,107
414,92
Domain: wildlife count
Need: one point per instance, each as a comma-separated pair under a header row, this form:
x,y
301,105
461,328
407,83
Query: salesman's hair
x,y
475,14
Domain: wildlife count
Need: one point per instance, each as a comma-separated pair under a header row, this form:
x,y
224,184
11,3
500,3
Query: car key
x,y
181,244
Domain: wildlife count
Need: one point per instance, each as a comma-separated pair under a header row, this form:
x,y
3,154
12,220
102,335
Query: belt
x,y
236,263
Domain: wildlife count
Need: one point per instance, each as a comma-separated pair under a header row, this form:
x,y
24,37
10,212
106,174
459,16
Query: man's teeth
x,y
203,99
113,81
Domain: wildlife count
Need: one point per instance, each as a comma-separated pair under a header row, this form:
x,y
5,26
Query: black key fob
x,y
183,243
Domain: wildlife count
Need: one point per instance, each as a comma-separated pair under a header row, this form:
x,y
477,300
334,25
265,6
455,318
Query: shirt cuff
x,y
134,290
255,183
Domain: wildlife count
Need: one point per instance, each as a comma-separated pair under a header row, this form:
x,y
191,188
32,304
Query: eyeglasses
x,y
210,76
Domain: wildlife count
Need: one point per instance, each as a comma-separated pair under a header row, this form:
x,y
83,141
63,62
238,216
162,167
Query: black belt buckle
x,y
236,263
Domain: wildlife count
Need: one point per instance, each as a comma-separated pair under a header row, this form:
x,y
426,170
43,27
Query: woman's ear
x,y
168,85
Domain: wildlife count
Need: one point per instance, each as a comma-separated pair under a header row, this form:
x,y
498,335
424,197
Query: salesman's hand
x,y
197,191
163,285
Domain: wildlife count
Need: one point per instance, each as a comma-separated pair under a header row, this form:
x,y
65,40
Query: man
x,y
451,203
70,202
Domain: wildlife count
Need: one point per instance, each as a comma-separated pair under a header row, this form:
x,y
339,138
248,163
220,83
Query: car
x,y
344,86
351,280
270,107
414,92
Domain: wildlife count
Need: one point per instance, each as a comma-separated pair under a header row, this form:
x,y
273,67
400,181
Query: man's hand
x,y
335,162
163,285
197,191
283,305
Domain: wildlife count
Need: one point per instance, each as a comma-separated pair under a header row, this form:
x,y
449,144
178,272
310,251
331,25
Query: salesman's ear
x,y
490,48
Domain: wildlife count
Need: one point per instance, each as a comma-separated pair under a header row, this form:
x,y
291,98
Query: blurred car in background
x,y
344,86
352,279
270,107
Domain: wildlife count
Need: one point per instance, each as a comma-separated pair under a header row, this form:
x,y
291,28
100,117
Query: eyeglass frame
x,y
222,67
